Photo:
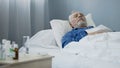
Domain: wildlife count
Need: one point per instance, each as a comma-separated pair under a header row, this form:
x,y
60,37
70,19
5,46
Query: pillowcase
x,y
90,21
43,38
61,27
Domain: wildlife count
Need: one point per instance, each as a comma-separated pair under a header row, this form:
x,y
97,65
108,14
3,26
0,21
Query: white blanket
x,y
103,46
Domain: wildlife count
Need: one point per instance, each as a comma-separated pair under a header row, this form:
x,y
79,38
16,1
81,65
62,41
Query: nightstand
x,y
28,61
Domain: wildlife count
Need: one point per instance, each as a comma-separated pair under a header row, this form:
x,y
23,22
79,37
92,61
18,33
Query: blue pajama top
x,y
74,35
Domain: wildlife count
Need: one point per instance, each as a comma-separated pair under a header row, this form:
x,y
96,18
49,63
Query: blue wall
x,y
106,12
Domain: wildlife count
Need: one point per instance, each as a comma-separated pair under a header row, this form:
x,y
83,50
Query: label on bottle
x,y
12,53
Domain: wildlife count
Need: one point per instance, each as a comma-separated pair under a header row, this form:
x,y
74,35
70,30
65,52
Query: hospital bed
x,y
93,51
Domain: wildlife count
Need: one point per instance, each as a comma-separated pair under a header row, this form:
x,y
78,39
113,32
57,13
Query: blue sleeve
x,y
66,39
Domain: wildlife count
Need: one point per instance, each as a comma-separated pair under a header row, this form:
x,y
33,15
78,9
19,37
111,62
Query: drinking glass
x,y
25,45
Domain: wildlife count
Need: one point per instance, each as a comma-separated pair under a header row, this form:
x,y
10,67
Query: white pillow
x,y
61,27
43,38
89,19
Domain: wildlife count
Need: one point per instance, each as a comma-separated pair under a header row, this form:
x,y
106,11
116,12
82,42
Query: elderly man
x,y
78,23
80,29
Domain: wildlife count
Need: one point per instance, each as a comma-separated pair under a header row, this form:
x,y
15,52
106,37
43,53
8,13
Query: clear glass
x,y
26,46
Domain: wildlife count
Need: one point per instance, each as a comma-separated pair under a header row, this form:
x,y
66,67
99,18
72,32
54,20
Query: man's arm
x,y
96,32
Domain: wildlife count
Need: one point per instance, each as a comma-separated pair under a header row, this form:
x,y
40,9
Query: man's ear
x,y
71,25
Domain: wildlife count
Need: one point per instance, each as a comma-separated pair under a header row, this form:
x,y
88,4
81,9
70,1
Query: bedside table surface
x,y
25,58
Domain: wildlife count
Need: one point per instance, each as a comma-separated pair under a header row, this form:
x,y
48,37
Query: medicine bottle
x,y
16,52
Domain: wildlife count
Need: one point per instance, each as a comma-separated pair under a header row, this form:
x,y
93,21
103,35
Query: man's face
x,y
77,20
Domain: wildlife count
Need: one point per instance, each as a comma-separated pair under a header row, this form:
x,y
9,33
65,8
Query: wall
x,y
22,17
106,12
19,20
14,19
4,18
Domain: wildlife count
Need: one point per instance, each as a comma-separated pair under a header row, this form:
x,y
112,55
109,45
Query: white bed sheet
x,y
67,60
98,51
